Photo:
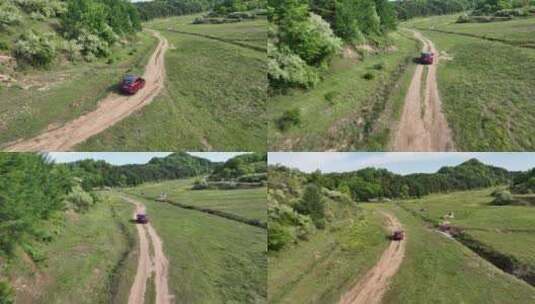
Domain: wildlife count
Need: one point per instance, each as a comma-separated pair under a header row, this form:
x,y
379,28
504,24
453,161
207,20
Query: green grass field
x,y
321,269
250,203
355,118
437,269
212,259
507,229
88,262
215,95
48,98
487,87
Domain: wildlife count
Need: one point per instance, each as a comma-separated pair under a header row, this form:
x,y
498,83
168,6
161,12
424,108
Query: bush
x,y
92,46
379,66
503,198
312,204
288,119
9,14
330,96
7,296
4,46
34,49
368,76
71,49
286,69
46,8
278,236
79,200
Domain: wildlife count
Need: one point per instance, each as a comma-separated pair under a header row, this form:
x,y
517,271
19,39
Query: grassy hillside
x,y
322,268
212,259
509,230
215,96
486,87
437,269
87,262
345,111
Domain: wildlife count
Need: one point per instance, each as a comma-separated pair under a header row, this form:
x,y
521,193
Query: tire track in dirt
x,y
371,288
423,126
109,111
147,264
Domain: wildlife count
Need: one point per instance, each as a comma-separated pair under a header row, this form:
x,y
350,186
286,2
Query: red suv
x,y
427,58
131,84
142,219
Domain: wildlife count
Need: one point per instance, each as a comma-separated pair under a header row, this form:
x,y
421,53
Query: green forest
x,y
165,8
297,200
304,36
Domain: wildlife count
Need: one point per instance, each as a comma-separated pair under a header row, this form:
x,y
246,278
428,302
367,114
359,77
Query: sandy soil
x,y
423,126
109,111
149,264
371,288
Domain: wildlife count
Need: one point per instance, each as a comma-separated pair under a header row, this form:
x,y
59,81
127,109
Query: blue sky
x,y
122,158
398,162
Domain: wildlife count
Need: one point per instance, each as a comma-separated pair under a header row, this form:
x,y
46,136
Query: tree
x,y
312,204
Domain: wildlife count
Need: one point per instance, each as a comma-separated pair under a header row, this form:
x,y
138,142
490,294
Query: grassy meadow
x,y
89,261
345,111
215,95
42,99
437,269
212,259
487,87
250,203
322,268
509,230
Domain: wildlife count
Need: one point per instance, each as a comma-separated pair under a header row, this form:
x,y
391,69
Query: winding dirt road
x,y
147,264
371,288
423,126
109,111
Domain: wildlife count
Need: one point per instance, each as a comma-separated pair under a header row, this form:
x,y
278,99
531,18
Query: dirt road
x,y
109,111
371,288
423,126
149,264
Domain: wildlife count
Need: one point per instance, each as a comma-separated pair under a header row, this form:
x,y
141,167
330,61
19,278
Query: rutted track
x,y
423,126
109,111
371,288
148,264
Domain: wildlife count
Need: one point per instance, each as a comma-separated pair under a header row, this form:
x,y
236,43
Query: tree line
x,y
305,35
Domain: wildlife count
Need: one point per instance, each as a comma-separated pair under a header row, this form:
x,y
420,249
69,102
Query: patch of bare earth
x,y
371,288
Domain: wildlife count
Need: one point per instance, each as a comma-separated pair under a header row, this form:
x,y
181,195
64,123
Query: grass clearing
x,y
212,259
439,270
49,98
321,269
250,203
215,95
507,229
86,263
347,121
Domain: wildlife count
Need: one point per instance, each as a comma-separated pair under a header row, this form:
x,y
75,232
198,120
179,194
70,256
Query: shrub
x,y
286,69
4,46
92,46
288,119
46,8
278,236
34,49
503,198
379,66
312,204
330,96
71,49
9,14
368,76
7,296
79,200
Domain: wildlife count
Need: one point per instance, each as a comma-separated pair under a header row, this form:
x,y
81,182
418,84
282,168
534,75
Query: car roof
x,y
129,78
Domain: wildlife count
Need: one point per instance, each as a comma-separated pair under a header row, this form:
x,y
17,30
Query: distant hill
x,y
251,167
174,166
372,183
